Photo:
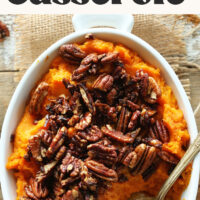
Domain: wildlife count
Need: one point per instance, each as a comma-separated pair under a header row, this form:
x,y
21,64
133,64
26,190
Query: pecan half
x,y
90,61
75,103
71,53
141,151
104,82
154,91
107,111
4,32
153,142
132,106
103,152
70,168
130,160
168,157
36,190
92,134
101,171
111,96
84,122
37,98
123,152
117,135
109,58
119,73
45,171
159,131
151,154
57,142
34,147
123,121
134,120
46,137
87,98
143,82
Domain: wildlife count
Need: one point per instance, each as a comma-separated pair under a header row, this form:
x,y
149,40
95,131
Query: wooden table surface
x,y
8,74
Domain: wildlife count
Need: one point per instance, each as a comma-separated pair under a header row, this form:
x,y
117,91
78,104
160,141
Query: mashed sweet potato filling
x,y
168,110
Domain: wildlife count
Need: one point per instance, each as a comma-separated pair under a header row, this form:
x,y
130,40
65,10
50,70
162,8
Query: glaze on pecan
x,y
37,98
116,135
159,131
168,157
84,122
104,82
71,53
101,171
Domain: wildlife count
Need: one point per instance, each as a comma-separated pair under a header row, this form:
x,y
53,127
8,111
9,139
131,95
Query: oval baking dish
x,y
41,65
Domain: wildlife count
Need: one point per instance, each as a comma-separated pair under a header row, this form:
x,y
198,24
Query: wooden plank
x,y
7,87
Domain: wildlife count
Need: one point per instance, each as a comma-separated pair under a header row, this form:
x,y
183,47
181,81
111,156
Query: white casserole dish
x,y
124,24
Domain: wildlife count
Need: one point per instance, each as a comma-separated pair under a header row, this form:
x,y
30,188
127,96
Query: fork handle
x,y
190,154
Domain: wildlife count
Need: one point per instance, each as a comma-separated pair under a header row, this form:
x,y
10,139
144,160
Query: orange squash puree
x,y
168,110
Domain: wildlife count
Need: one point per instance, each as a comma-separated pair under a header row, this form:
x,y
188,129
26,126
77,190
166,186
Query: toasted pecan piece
x,y
116,135
101,171
37,98
71,53
159,131
104,82
168,157
84,122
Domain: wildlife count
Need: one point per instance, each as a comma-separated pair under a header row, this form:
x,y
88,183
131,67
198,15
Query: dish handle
x,y
122,22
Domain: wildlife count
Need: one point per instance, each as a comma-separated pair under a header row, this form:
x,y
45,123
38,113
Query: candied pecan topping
x,y
143,82
38,97
119,73
88,65
59,106
151,154
154,91
104,82
34,147
159,131
92,134
153,142
4,32
101,171
116,135
134,120
84,122
102,151
107,111
132,106
111,96
130,160
109,58
87,98
46,137
123,121
72,88
75,103
57,142
168,157
36,190
73,120
73,194
71,53
123,152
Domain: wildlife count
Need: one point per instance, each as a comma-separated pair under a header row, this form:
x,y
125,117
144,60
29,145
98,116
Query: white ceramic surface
x,y
40,66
